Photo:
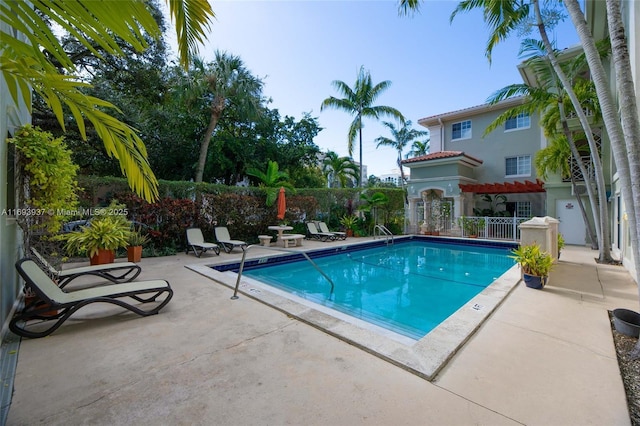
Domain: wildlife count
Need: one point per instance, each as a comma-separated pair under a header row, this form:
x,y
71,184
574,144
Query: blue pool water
x,y
408,287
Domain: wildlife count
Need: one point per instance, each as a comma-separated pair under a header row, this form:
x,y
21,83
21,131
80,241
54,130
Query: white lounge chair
x,y
53,298
338,235
224,239
115,272
195,242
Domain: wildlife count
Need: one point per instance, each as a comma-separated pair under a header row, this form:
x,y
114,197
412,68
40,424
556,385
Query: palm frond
x,y
502,17
408,7
193,21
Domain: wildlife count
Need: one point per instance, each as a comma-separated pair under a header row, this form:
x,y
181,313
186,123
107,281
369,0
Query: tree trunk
x,y
605,234
360,136
592,198
622,144
406,197
630,123
621,149
592,235
217,106
628,112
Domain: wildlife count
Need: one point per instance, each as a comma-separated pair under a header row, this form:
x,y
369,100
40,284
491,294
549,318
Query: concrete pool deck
x,y
543,357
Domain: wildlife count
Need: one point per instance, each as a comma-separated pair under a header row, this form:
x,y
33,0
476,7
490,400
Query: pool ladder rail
x,y
381,230
244,256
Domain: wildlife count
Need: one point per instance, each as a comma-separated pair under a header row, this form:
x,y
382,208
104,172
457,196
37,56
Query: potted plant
x,y
424,228
100,238
348,221
469,226
136,241
561,243
535,263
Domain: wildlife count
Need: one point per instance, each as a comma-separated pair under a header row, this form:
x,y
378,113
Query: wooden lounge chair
x,y
53,298
224,239
195,242
325,229
312,232
115,272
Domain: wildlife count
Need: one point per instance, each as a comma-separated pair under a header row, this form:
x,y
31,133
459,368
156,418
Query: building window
x,y
461,130
518,166
523,209
520,121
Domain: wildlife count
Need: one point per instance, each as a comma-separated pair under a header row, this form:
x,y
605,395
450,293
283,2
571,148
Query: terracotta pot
x,y
103,256
33,300
349,232
134,253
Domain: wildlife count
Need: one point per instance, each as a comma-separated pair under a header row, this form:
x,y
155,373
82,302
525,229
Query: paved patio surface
x,y
543,358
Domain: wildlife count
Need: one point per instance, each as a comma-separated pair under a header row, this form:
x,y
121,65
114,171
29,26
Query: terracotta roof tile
x,y
439,155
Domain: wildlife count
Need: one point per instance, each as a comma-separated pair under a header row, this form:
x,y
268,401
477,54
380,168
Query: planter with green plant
x,y
348,221
134,249
561,244
470,226
100,238
536,264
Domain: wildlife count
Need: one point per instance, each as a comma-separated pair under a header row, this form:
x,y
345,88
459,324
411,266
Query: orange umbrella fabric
x,y
282,204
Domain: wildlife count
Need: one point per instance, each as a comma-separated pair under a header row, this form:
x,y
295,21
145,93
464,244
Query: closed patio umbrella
x,y
282,204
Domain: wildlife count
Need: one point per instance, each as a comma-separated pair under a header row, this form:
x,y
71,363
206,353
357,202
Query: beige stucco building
x,y
465,162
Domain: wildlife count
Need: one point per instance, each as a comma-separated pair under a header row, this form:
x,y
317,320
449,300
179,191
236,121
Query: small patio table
x,y
280,229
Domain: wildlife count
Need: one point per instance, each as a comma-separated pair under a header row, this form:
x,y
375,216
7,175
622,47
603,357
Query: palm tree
x,y
271,180
339,169
402,137
372,203
625,141
226,80
29,66
505,16
419,148
555,157
359,102
624,138
549,99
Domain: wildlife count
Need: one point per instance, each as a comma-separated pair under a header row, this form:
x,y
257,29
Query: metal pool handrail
x,y
244,255
382,230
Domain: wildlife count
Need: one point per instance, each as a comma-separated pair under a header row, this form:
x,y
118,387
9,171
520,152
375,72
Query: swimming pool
x,y
424,356
408,287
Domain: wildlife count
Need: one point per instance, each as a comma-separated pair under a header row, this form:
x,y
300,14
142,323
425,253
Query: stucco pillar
x,y
542,231
413,219
424,211
458,209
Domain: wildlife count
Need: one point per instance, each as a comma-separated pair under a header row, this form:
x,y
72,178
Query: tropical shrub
x,y
47,180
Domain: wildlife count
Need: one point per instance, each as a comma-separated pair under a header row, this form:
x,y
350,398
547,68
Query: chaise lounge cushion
x,y
337,234
195,242
114,272
225,240
312,232
53,298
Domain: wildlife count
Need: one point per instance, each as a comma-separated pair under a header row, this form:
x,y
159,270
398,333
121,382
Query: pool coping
x,y
424,357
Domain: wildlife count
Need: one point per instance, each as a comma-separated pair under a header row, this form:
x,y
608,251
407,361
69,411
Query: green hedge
x,y
241,209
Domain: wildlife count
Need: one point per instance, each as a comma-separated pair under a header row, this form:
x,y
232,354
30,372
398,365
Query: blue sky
x,y
300,47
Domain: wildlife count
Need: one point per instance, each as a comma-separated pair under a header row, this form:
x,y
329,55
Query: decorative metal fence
x,y
494,228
